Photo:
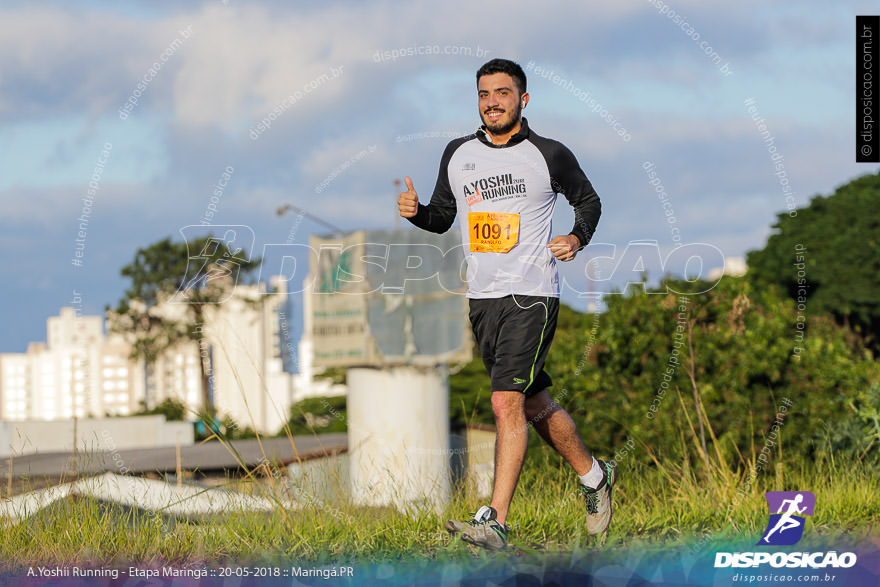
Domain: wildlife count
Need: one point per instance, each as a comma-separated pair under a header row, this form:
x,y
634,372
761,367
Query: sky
x,y
122,123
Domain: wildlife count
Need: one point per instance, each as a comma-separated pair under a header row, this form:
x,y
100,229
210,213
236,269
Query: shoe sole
x,y
610,507
470,541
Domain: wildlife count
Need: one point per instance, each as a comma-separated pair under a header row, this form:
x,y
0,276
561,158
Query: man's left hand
x,y
564,247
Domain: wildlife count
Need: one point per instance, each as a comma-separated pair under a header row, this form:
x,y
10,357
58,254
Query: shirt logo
x,y
494,187
469,167
473,198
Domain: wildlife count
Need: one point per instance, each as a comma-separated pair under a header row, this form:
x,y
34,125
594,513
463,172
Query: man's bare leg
x,y
511,443
557,428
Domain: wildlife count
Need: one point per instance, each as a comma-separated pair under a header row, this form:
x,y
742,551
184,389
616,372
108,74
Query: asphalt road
x,y
209,458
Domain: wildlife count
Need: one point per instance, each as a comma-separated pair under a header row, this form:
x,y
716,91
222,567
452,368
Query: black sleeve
x,y
567,178
439,214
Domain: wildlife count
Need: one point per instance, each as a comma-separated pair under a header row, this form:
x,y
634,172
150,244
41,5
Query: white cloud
x,y
244,59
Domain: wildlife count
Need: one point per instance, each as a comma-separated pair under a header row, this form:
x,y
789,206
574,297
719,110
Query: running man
x,y
502,183
786,521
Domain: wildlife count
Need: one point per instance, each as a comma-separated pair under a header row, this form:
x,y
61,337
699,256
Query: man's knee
x,y
539,406
508,405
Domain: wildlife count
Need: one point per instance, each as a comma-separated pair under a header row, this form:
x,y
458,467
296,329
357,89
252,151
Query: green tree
x,y
827,256
172,285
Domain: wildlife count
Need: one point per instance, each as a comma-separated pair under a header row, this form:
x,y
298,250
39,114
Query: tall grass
x,y
661,506
689,496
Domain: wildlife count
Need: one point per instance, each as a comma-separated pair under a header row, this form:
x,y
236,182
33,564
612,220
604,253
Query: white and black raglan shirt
x,y
491,189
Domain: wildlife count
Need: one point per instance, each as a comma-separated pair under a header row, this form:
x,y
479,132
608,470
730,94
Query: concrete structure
x,y
92,435
141,493
382,298
327,478
398,436
473,459
390,307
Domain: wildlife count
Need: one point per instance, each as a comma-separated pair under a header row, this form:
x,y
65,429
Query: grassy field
x,y
662,506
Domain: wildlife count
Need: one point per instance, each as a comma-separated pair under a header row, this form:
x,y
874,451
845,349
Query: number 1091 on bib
x,y
492,232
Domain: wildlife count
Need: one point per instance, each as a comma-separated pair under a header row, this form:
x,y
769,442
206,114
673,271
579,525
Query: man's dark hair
x,y
505,66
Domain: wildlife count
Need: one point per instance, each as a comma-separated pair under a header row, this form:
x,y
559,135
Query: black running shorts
x,y
514,334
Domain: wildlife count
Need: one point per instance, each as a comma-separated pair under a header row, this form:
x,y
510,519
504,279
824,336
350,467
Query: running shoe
x,y
598,501
483,530
454,526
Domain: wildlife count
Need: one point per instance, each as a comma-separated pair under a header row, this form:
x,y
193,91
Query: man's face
x,y
500,102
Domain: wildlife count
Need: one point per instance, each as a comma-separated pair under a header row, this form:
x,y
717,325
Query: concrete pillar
x,y
398,436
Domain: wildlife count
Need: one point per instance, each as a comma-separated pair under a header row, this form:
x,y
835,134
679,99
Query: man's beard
x,y
502,128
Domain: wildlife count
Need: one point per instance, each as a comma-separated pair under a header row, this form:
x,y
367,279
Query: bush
x,y
172,409
754,373
318,415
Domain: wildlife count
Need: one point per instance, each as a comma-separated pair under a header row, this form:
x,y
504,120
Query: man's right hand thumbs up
x,y
408,203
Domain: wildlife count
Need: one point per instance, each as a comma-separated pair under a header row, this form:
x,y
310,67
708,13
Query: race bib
x,y
492,232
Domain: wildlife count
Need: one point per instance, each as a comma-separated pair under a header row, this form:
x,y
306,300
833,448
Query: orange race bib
x,y
492,232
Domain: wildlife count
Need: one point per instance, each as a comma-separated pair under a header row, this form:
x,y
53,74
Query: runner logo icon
x,y
788,511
